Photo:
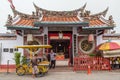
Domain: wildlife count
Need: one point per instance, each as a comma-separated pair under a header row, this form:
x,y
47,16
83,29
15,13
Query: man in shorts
x,y
34,65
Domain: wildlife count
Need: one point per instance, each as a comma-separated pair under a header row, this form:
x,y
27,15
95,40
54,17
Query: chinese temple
x,y
70,33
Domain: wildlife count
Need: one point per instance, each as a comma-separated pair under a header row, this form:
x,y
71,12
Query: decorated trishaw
x,y
43,66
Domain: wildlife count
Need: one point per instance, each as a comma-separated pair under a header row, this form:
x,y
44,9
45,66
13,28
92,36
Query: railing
x,y
95,63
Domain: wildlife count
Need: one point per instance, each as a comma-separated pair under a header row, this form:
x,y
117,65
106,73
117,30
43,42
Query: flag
x,y
11,4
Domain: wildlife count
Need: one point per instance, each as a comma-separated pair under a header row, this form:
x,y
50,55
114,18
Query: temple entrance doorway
x,y
61,45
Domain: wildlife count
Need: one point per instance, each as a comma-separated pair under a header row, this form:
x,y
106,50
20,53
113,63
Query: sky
x,y
26,6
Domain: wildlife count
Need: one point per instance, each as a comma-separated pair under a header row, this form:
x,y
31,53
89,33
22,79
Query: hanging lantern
x,y
60,35
29,37
90,37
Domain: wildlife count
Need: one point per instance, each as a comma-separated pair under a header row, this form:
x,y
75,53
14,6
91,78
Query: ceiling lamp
x,y
60,35
91,37
29,37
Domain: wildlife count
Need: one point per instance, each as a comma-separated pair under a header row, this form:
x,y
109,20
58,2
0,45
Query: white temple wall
x,y
10,44
100,40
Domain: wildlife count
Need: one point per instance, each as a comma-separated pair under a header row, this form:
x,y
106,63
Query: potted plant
x,y
23,60
17,58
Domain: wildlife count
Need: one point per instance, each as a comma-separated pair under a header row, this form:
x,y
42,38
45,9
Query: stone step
x,y
61,69
62,63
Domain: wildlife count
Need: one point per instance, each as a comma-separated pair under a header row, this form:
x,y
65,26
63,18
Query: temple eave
x,y
61,23
97,28
22,28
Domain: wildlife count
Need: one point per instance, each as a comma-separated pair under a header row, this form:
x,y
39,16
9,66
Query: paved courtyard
x,y
101,75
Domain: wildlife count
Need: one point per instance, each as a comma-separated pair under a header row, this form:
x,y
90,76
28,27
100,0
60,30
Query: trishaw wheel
x,y
20,71
41,72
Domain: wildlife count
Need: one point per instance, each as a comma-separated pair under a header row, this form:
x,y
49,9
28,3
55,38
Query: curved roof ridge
x,y
15,12
79,9
103,13
24,15
104,20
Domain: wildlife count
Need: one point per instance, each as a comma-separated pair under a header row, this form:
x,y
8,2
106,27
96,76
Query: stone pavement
x,y
5,70
96,75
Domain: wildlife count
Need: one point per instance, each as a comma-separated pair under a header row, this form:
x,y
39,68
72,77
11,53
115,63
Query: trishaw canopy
x,y
34,46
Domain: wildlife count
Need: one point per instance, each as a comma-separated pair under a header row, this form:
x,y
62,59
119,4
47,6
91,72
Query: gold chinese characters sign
x,y
111,37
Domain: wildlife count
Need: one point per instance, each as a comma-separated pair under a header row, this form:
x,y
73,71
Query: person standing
x,y
52,59
48,57
34,65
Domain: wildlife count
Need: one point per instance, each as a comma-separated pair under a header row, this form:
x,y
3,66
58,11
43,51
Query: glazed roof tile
x,y
60,19
25,22
74,19
96,22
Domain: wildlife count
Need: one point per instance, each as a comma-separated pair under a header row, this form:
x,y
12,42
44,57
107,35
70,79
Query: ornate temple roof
x,y
25,22
60,19
41,16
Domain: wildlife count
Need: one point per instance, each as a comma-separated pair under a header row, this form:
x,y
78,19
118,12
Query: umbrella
x,y
109,46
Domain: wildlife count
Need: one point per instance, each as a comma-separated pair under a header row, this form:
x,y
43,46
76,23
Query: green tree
x,y
17,58
24,60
